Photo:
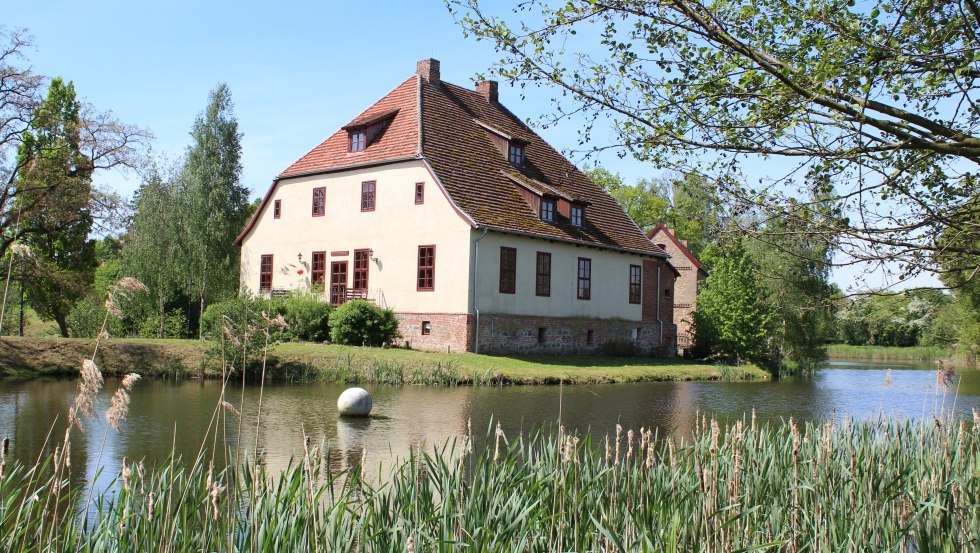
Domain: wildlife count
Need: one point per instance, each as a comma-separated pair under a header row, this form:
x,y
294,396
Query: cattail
x,y
714,436
150,504
496,449
629,445
976,419
126,474
410,547
119,406
619,433
888,378
609,452
4,447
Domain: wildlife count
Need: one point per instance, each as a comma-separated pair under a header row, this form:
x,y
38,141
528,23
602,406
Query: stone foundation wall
x,y
502,334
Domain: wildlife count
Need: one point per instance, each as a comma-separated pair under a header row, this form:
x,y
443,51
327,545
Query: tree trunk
x,y
62,324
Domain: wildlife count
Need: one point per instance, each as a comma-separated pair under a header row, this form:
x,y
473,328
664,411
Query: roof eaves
x,y
338,168
597,245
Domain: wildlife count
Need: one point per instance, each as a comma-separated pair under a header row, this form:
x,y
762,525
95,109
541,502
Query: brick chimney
x,y
487,89
428,70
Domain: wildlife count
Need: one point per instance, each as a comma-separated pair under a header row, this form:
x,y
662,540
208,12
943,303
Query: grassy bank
x,y
30,357
881,486
926,354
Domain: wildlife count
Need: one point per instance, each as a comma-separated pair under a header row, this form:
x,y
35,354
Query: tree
x,y
56,184
644,202
103,141
153,252
217,206
731,321
879,97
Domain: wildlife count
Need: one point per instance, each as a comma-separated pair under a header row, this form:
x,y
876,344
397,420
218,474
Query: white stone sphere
x,y
354,402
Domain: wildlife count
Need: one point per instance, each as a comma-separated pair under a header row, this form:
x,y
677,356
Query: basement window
x,y
541,334
426,328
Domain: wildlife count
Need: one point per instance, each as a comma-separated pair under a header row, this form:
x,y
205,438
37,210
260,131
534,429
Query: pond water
x,y
179,417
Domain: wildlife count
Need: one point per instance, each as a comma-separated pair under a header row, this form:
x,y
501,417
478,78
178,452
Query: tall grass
x,y
875,485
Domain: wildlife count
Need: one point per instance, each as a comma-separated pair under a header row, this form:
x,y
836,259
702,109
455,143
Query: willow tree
x,y
877,97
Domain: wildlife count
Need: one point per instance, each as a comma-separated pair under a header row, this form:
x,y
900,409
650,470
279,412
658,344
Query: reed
x,y
876,485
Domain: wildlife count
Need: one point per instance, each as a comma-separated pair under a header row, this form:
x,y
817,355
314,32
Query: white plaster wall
x,y
394,230
610,280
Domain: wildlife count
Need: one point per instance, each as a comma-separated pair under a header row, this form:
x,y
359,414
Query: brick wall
x,y
452,331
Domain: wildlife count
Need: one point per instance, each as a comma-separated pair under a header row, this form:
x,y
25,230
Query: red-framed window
x,y
319,201
318,269
636,280
277,209
547,209
508,270
265,273
367,195
584,278
576,215
361,262
427,268
542,278
419,193
515,154
358,140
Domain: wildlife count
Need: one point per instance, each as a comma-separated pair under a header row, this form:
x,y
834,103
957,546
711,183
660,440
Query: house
x,y
690,274
440,204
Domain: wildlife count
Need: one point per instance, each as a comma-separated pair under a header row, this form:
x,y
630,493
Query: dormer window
x,y
358,140
515,154
577,215
547,210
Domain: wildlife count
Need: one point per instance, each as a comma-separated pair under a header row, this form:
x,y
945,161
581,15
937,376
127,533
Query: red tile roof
x,y
454,123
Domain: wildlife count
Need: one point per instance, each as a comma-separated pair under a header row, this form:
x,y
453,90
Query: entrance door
x,y
338,282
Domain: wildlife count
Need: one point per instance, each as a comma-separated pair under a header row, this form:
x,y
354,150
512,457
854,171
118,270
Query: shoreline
x,y
26,358
923,354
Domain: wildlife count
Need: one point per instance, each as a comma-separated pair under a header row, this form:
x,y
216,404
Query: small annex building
x,y
439,203
690,273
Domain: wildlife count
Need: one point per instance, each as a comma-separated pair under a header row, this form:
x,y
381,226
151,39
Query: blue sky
x,y
297,70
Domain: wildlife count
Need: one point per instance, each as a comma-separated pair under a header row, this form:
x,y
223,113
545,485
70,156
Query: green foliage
x,y
54,194
217,204
620,348
86,317
899,319
307,316
361,322
174,325
731,320
868,95
894,486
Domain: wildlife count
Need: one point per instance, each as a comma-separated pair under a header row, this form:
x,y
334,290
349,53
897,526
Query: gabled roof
x,y
447,126
660,227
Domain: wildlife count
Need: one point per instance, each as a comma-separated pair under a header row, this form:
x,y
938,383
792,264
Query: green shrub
x,y
360,322
307,316
174,325
86,317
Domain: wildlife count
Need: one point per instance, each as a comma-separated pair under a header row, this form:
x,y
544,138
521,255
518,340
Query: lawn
x,y
27,357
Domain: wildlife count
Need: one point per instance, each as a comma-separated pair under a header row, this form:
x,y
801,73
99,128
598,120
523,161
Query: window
x,y
547,209
361,259
589,337
636,278
508,270
265,273
419,193
515,154
427,268
367,195
542,279
358,140
576,215
541,334
666,292
662,246
584,278
426,328
319,201
318,269
277,209
635,334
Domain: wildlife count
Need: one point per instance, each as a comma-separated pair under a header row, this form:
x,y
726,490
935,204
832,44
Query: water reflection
x,y
183,418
